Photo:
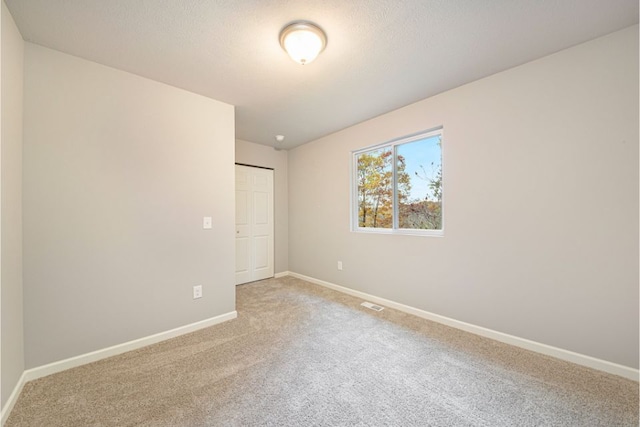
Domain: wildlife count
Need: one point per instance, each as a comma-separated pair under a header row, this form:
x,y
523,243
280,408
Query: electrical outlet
x,y
197,292
340,265
207,223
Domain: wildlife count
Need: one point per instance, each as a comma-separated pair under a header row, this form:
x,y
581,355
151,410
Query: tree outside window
x,y
398,186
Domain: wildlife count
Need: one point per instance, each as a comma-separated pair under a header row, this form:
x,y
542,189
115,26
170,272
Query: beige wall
x,y
11,333
253,154
540,204
118,173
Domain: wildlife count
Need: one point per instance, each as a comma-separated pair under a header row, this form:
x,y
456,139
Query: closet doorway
x,y
254,223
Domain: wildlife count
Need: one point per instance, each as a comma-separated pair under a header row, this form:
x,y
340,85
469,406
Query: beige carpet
x,y
302,355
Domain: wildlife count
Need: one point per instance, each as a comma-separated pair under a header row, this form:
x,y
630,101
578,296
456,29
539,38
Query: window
x,y
397,186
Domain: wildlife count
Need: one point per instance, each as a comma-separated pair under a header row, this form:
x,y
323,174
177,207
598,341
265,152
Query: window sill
x,y
401,232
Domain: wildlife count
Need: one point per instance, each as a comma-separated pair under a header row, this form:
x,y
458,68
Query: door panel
x,y
260,208
261,246
242,260
242,204
254,224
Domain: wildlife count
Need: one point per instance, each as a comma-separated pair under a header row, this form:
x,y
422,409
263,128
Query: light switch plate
x,y
207,222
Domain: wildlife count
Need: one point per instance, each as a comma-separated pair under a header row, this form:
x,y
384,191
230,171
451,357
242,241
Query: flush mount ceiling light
x,y
303,41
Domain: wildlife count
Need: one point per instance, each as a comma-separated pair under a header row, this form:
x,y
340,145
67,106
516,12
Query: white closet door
x,y
254,224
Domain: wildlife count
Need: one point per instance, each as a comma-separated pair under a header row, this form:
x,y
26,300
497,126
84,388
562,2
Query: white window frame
x,y
355,227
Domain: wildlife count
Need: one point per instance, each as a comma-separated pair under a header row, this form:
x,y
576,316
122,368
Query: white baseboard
x,y
83,359
558,353
6,409
282,274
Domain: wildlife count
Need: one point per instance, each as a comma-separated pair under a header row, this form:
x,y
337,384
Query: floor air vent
x,y
372,306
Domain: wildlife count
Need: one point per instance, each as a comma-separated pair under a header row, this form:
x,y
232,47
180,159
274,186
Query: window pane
x,y
419,175
375,188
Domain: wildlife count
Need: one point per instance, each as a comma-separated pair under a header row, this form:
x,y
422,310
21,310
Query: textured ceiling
x,y
381,54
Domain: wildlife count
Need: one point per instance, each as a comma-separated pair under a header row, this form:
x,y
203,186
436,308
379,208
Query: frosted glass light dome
x,y
303,41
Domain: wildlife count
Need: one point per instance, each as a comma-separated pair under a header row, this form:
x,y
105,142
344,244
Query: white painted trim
x,y
6,410
282,274
83,359
559,353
